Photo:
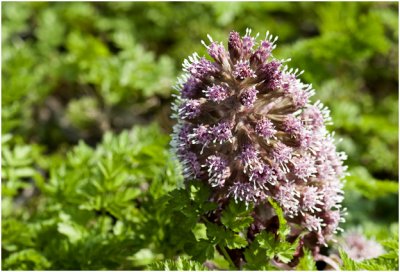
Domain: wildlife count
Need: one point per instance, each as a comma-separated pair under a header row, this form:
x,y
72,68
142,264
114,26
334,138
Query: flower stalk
x,y
247,128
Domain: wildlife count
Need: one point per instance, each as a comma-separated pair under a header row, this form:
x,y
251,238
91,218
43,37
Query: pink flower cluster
x,y
359,248
246,126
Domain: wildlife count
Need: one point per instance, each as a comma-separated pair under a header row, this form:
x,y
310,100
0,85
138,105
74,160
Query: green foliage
x,y
361,181
307,262
177,265
283,229
85,186
237,216
348,263
389,239
268,246
183,231
75,52
369,196
276,248
225,238
385,262
94,216
17,165
28,259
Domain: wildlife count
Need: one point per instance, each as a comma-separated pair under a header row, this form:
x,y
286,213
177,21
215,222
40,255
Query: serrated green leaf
x,y
180,264
361,181
285,251
28,259
200,231
199,193
201,250
307,262
256,258
177,199
235,241
218,235
129,194
348,263
237,216
284,229
266,240
275,247
71,230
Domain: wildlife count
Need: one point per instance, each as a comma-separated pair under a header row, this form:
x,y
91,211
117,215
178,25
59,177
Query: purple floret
x,y
265,128
217,93
243,70
190,109
248,97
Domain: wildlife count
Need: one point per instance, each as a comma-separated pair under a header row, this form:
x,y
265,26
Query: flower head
x,y
359,248
222,132
246,126
218,170
265,128
248,97
217,93
242,70
190,109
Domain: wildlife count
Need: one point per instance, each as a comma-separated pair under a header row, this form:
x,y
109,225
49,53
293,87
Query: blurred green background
x,y
78,194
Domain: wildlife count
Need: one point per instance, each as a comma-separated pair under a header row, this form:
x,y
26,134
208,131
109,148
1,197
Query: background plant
x,y
77,75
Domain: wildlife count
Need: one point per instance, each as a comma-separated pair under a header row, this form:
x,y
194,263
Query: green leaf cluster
x,y
237,216
269,246
181,264
388,237
386,262
72,70
86,186
95,210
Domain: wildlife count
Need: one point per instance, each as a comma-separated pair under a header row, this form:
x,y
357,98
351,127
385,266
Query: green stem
x,y
227,257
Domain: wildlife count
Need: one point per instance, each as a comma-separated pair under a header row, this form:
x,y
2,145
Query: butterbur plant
x,y
246,127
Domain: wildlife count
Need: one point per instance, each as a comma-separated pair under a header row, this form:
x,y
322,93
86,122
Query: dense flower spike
x,y
247,128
